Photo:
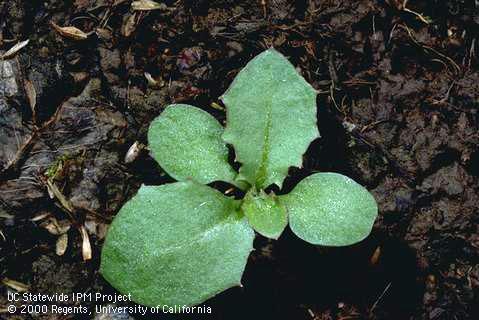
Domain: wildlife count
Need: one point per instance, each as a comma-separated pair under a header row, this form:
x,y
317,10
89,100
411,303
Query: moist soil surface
x,y
398,105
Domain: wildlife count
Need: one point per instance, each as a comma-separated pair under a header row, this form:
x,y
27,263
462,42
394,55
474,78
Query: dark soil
x,y
397,111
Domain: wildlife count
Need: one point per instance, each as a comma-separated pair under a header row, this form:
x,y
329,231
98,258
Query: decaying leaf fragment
x,y
18,286
79,76
129,25
54,192
133,152
86,246
13,50
99,229
6,215
70,32
151,81
62,244
55,227
375,257
31,96
40,216
147,5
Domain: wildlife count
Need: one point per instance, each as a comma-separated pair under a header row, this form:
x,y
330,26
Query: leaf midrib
x,y
261,175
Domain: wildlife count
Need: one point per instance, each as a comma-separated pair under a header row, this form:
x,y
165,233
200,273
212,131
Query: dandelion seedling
x,y
184,242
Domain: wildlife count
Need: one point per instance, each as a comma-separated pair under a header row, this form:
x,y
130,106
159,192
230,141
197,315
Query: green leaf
x,y
186,142
271,118
330,209
265,214
176,244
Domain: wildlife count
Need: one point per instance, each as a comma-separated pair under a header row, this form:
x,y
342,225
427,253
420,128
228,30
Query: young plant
x,y
184,242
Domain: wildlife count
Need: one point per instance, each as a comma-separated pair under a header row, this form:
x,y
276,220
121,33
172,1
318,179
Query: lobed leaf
x,y
265,214
330,209
186,142
271,118
176,244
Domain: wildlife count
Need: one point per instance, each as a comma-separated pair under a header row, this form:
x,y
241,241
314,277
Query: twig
x,y
472,53
380,297
411,35
372,125
331,94
418,15
263,4
446,97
